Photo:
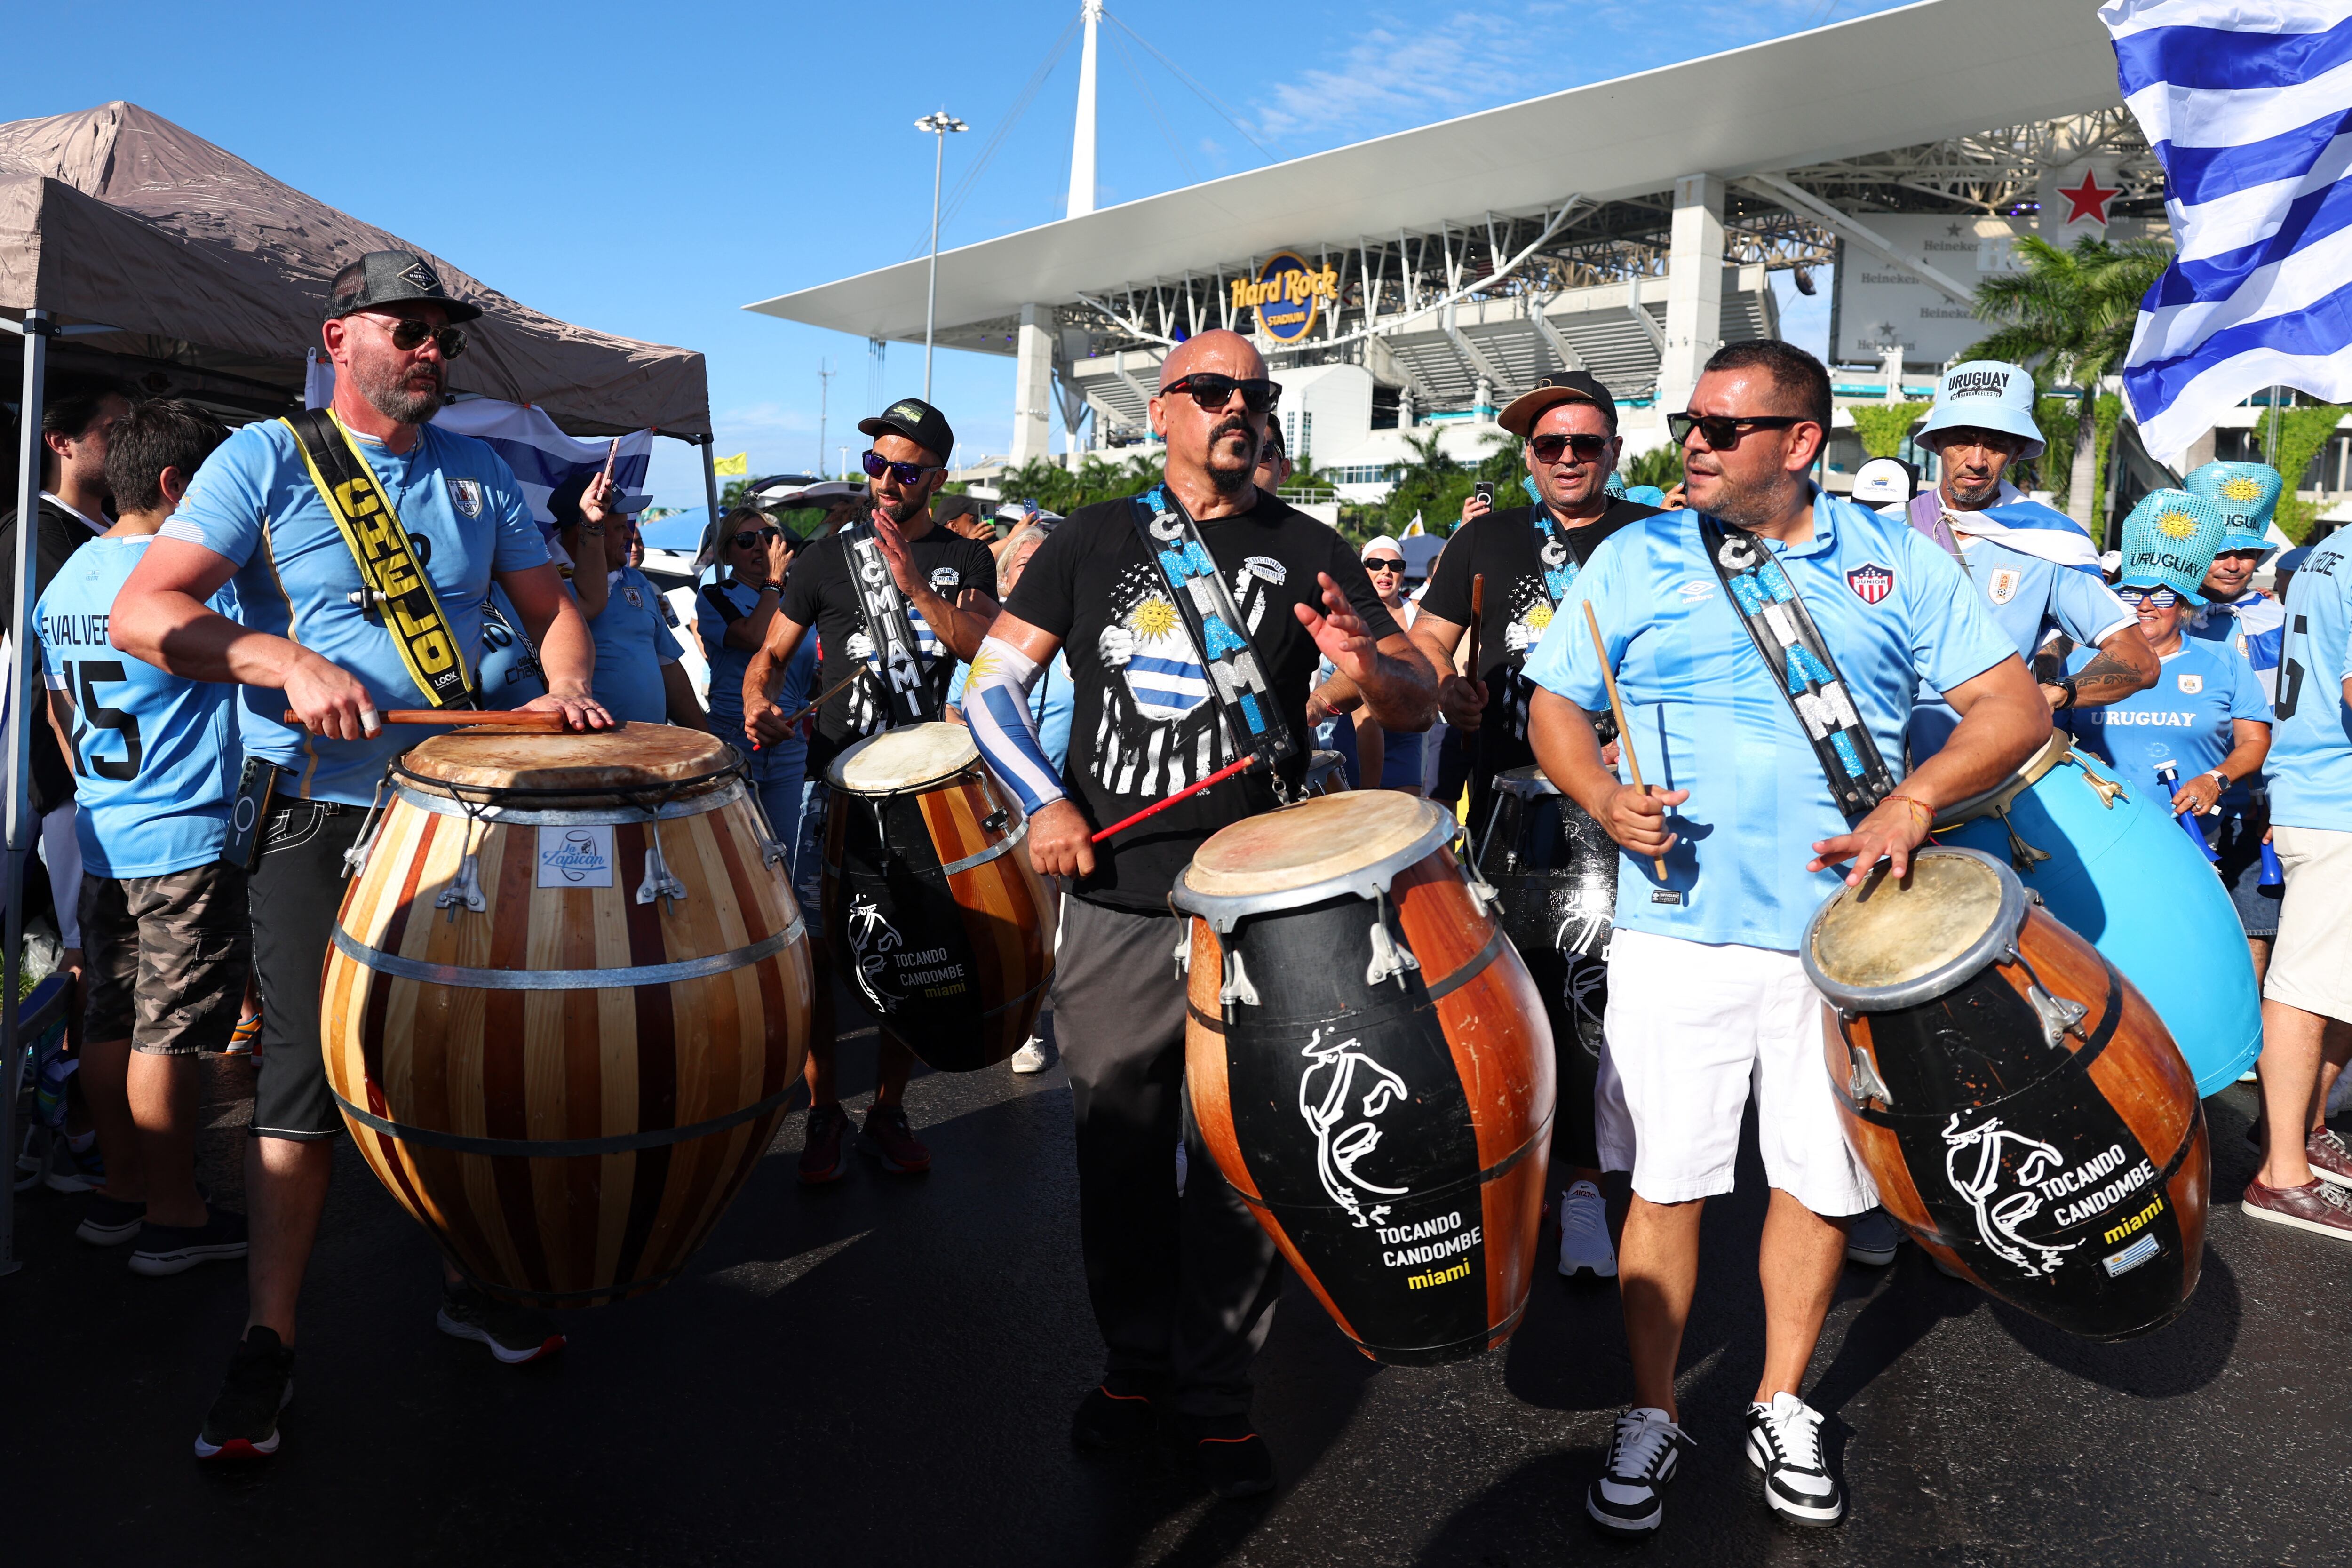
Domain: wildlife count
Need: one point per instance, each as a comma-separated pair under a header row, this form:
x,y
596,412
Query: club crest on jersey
x,y
1871,581
636,601
945,579
465,495
2001,588
2191,685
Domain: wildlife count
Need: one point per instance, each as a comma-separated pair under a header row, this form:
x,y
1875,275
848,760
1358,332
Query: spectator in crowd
x,y
2282,571
959,514
163,918
639,678
1379,760
1273,468
255,513
2308,992
731,616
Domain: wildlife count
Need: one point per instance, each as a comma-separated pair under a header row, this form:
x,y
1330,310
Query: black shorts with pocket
x,y
294,894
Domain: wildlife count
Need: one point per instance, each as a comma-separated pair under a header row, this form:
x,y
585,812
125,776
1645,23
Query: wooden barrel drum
x,y
2019,1104
568,997
930,907
1369,1067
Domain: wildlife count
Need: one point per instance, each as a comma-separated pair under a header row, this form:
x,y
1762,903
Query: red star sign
x,y
2088,200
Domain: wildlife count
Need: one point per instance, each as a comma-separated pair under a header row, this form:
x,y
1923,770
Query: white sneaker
x,y
1643,1453
1784,1441
1029,1057
1584,1233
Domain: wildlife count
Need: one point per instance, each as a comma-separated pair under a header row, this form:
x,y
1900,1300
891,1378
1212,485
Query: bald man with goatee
x,y
1183,1285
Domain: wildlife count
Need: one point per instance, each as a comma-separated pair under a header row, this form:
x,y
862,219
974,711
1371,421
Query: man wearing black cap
x,y
442,513
935,572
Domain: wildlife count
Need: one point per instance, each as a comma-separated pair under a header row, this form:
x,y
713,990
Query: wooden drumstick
x,y
1477,611
1617,711
538,723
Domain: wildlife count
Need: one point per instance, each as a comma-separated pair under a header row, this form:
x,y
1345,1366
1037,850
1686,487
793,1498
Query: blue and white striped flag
x,y
543,458
2249,108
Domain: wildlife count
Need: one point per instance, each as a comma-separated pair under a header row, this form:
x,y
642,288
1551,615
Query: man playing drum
x,y
1192,618
449,508
1783,769
884,604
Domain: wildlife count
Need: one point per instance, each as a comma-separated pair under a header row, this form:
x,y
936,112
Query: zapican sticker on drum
x,y
575,857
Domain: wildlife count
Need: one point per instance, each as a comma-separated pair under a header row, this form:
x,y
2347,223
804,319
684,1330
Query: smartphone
x,y
1487,492
254,790
611,452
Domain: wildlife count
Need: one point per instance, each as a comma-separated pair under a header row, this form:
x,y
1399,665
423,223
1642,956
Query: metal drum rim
x,y
1999,941
2054,751
731,790
1530,783
1371,880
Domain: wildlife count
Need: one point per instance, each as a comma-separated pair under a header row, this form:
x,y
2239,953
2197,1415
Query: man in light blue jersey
x,y
2036,568
2308,995
1707,995
314,636
164,921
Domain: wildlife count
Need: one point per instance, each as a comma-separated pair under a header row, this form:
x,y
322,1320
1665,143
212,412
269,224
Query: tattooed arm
x,y
2124,664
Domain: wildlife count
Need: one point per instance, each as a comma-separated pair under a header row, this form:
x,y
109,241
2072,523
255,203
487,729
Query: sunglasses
x,y
1587,448
2161,598
750,537
907,474
408,333
1389,563
1213,390
1722,431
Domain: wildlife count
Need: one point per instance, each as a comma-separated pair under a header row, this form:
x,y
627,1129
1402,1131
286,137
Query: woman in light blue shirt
x,y
731,616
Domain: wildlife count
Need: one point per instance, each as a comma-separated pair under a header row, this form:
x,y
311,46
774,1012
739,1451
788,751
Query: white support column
x,y
1033,385
1693,288
1082,139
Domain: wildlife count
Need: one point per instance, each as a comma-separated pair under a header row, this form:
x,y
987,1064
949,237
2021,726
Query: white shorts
x,y
1691,1028
2311,962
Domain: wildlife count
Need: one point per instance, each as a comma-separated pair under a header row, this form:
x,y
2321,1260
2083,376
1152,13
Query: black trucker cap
x,y
387,277
918,421
1567,386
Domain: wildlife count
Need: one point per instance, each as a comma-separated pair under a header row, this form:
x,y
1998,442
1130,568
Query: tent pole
x,y
38,329
710,481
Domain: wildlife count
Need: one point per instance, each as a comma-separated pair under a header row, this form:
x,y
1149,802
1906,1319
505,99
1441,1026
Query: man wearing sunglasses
x,y
935,571
2035,569
255,514
1709,1003
1184,1287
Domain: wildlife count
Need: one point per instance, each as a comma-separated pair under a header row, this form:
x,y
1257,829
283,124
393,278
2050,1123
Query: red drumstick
x,y
1228,771
539,723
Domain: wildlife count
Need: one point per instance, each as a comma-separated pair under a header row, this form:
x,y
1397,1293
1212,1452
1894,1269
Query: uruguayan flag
x,y
2249,108
543,458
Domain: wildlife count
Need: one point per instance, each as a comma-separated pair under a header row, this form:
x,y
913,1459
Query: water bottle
x,y
2169,777
2273,874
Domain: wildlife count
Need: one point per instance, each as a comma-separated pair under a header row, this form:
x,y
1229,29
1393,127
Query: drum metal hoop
x,y
557,816
617,978
1366,882
1997,943
2053,751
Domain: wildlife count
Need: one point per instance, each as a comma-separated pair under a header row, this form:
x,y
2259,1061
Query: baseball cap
x,y
918,421
387,277
1567,386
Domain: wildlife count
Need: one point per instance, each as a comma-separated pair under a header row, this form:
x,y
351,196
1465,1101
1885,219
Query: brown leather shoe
x,y
2331,1162
2315,1206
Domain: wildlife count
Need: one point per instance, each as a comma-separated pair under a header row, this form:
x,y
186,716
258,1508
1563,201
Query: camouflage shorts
x,y
165,958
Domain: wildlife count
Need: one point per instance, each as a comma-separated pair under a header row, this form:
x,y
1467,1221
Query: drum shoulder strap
x,y
390,578
1802,669
907,697
1238,681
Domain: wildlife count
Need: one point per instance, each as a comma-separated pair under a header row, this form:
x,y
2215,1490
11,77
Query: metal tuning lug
x,y
1238,987
1864,1084
466,889
658,883
2108,789
995,821
1390,958
1183,953
2021,855
2059,1016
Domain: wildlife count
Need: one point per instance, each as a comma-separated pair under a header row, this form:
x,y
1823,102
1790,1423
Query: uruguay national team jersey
x,y
155,758
253,502
2255,623
509,675
2184,719
2310,764
1705,715
2029,598
633,642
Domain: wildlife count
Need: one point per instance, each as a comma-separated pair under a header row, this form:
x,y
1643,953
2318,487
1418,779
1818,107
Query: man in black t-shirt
x,y
1184,1287
944,581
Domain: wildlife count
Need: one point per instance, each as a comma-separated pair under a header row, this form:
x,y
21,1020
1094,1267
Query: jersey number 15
x,y
89,714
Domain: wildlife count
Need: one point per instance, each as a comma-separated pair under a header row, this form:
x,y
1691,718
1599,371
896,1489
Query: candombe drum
x,y
2119,871
939,925
568,997
1369,1067
1554,871
2020,1106
1327,773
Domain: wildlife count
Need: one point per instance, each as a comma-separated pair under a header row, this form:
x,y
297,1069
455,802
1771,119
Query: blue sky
x,y
649,171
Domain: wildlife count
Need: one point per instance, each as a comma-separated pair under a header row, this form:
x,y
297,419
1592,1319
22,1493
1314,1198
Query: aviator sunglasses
x,y
1723,431
1548,448
2161,598
408,333
1213,390
907,474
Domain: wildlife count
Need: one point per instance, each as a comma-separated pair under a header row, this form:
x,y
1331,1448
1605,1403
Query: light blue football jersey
x,y
2310,764
2185,718
633,642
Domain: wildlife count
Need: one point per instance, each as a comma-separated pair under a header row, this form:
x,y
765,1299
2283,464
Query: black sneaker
x,y
110,1222
243,1421
1229,1454
1121,1412
1645,1452
174,1248
514,1335
1784,1441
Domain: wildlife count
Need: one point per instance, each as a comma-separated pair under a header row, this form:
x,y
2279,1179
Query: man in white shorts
x,y
1706,997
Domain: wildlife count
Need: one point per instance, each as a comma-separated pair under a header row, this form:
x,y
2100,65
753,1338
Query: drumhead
x,y
899,760
1525,783
1321,847
1891,944
627,757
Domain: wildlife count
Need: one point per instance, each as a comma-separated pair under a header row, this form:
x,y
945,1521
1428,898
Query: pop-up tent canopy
x,y
187,271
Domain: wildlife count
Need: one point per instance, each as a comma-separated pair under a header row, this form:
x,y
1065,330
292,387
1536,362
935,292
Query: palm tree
x,y
2068,317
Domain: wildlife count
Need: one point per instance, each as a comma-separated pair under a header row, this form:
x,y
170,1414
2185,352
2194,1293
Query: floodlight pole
x,y
940,124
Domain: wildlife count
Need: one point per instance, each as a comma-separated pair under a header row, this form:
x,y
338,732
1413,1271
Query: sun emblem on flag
x,y
2240,487
1155,618
1539,618
2175,524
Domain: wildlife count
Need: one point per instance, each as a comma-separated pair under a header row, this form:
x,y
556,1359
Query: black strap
x,y
907,697
1802,669
1237,675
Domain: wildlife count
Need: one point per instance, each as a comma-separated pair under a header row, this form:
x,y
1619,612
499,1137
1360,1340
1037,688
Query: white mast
x,y
1082,142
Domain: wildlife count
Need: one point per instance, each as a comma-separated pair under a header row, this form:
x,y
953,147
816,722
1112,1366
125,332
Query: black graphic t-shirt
x,y
1514,551
819,592
1145,723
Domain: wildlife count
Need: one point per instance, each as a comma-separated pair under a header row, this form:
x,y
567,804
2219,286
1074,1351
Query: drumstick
x,y
1228,771
830,693
1477,610
1617,709
540,723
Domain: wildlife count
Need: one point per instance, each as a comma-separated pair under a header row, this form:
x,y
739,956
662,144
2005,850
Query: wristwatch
x,y
2066,685
2218,778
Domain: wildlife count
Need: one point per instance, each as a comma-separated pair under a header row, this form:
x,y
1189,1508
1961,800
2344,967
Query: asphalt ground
x,y
884,1372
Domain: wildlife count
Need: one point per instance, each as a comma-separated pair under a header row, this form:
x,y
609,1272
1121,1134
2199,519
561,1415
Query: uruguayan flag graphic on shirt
x,y
2249,108
1163,674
